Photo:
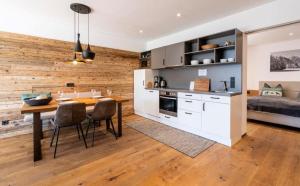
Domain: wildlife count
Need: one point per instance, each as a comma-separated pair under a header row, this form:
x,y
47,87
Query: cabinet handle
x,y
188,113
167,117
203,107
214,98
190,95
150,90
189,101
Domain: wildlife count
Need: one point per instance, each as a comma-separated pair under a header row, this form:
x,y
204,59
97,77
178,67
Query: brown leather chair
x,y
104,110
67,115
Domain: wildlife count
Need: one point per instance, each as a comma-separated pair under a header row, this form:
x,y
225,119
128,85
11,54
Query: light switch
x,y
202,72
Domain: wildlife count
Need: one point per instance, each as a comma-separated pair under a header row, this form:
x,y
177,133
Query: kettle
x,y
163,84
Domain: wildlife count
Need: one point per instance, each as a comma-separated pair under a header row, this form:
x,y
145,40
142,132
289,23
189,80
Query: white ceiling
x,y
115,23
285,33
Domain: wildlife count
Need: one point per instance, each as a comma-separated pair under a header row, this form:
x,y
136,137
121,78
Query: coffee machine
x,y
156,81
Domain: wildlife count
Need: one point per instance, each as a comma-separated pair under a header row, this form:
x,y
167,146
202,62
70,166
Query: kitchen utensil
x,y
208,46
202,84
163,84
207,61
194,62
231,59
223,60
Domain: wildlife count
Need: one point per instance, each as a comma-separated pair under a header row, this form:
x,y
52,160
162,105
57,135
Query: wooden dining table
x,y
37,123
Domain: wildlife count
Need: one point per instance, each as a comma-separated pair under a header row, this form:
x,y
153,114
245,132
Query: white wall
x,y
277,12
258,63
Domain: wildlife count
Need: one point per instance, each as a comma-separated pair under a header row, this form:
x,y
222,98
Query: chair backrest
x,y
104,109
70,114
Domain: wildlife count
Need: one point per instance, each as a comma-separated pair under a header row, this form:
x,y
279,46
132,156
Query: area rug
x,y
182,141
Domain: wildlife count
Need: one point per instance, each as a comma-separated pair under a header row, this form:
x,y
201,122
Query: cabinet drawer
x,y
190,104
189,121
189,95
217,99
168,119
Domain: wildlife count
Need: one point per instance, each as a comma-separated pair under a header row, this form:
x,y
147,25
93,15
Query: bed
x,y
278,110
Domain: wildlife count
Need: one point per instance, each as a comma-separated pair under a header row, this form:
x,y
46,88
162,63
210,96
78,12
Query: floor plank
x,y
267,155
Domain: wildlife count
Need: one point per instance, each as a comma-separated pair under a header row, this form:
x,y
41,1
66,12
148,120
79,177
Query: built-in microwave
x,y
168,102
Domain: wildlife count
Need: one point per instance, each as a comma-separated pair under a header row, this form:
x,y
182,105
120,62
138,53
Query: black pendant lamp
x,y
88,54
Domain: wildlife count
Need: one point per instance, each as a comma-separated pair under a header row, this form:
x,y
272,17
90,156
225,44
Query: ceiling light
x,y
141,31
291,34
178,14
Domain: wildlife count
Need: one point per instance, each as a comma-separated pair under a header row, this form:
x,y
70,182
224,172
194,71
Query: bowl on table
x,y
37,101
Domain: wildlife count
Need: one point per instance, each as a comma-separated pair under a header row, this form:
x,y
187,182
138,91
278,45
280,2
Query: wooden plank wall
x,y
30,63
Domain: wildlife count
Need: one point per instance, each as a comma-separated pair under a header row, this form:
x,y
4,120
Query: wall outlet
x,y
232,82
70,85
202,72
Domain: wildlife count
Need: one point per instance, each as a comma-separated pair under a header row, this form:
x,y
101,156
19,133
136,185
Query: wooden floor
x,y
265,156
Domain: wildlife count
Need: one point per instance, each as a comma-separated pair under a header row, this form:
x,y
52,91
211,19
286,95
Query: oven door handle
x,y
167,97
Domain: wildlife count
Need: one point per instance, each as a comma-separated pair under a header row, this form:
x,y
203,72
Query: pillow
x,y
34,95
267,90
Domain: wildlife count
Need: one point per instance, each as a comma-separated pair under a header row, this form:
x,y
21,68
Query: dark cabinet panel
x,y
174,55
158,58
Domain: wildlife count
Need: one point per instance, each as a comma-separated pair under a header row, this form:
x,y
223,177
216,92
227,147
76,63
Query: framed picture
x,y
285,61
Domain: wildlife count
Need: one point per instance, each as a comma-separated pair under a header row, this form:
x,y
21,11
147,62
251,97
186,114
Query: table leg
x,y
37,151
119,105
41,129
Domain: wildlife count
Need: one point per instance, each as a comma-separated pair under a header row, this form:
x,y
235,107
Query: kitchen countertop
x,y
198,92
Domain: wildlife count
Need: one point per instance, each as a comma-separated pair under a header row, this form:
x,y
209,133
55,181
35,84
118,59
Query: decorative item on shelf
x,y
207,61
228,43
231,59
194,62
223,60
202,84
208,46
80,55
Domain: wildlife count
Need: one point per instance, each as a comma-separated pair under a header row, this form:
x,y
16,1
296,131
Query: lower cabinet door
x,y
216,119
151,101
189,121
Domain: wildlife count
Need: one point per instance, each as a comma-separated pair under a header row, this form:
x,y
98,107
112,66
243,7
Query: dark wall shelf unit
x,y
181,54
231,49
145,59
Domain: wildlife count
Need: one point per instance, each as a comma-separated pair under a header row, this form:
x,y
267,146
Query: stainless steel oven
x,y
168,102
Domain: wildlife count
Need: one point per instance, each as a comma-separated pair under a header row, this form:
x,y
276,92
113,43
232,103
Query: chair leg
x,y
113,128
78,132
94,122
80,127
58,128
53,135
87,129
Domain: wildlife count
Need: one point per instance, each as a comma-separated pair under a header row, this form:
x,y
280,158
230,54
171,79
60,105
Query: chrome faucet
x,y
225,86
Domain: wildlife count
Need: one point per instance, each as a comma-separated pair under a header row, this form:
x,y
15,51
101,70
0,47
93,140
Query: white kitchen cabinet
x,y
216,119
189,121
151,102
141,78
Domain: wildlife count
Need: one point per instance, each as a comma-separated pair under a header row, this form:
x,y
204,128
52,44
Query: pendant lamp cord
x,y
78,25
88,28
